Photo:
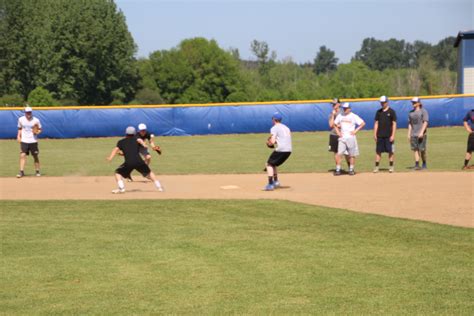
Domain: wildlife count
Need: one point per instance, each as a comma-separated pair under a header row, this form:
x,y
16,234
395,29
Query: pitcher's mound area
x,y
441,197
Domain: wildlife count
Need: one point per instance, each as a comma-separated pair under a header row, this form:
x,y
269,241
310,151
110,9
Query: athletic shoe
x,y
276,184
463,168
38,174
417,168
20,174
352,172
118,191
160,189
129,179
391,169
337,172
424,166
376,169
269,187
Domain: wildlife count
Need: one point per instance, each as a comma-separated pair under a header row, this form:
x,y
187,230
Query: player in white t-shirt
x,y
345,125
29,128
280,139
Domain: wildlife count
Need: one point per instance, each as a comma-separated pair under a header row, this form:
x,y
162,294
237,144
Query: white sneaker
x,y
376,169
118,191
160,189
391,169
38,174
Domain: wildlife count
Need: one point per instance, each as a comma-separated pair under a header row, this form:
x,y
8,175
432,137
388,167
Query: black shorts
x,y
126,169
143,151
384,145
333,143
470,143
278,157
26,148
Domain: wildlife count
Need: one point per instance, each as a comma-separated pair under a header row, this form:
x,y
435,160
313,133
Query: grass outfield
x,y
244,153
237,257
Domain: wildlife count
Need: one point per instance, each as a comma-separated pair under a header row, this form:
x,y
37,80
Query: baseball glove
x,y
36,129
269,143
157,149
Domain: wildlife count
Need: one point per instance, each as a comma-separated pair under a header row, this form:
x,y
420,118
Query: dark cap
x,y
335,100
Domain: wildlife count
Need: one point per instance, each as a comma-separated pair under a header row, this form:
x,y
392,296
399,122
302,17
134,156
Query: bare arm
x,y
409,131
467,127
376,128
113,153
18,135
331,119
338,131
361,126
423,129
141,142
394,129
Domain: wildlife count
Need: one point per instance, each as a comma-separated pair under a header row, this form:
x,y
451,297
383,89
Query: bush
x,y
11,100
41,97
147,96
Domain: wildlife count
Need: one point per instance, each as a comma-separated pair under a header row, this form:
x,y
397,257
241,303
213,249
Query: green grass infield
x,y
227,257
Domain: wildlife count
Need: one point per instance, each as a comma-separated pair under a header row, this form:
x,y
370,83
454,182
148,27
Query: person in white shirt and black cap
x,y
345,125
29,127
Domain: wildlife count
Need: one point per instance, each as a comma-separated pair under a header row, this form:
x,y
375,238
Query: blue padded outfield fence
x,y
226,118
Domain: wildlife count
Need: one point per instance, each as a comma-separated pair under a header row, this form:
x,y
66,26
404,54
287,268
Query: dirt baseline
x,y
440,197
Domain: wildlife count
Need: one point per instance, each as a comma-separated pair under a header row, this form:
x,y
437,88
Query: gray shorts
x,y
144,151
348,146
418,144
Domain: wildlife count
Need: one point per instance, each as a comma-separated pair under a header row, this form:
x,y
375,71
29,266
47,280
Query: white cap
x,y
383,99
130,130
28,109
141,127
346,105
415,100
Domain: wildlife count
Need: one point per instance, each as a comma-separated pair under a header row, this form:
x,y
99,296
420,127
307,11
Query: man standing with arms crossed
x,y
29,128
418,119
345,125
385,127
280,138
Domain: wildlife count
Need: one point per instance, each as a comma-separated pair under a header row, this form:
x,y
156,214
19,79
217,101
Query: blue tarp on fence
x,y
225,119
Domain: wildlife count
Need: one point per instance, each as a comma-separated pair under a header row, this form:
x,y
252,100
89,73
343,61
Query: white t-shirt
x,y
348,123
26,127
282,136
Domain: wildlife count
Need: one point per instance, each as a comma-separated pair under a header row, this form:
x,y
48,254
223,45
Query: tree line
x,y
62,52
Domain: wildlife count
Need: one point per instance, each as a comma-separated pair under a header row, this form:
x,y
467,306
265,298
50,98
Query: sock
x,y
120,184
377,163
157,184
465,162
338,167
391,163
270,180
351,167
417,163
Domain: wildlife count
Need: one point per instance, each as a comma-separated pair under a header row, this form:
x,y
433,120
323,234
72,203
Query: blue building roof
x,y
464,35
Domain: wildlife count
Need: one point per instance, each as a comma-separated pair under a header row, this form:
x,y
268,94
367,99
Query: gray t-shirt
x,y
416,119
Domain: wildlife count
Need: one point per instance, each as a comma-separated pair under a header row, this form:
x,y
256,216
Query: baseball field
x,y
215,243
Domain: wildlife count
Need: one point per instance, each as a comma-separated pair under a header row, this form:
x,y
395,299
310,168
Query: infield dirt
x,y
440,197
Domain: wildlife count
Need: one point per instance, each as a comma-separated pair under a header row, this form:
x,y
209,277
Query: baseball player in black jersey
x,y
129,147
385,127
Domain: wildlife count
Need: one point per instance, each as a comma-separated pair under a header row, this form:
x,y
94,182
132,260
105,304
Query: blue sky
x,y
293,29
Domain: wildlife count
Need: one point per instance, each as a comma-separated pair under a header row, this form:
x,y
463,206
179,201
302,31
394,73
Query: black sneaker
x,y
352,173
337,172
20,174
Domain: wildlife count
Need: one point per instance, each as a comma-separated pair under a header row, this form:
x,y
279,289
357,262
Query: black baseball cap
x,y
335,100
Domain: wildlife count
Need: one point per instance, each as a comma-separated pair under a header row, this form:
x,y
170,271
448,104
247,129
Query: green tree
x,y
380,55
196,71
444,54
79,50
325,61
261,51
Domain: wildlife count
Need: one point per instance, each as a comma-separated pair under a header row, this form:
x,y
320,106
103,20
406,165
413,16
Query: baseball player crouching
x,y
345,125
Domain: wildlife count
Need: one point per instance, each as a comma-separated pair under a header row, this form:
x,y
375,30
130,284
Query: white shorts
x,y
348,145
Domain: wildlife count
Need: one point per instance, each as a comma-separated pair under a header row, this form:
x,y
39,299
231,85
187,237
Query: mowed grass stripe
x,y
223,154
219,257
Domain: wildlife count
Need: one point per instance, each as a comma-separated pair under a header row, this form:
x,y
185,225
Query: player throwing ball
x,y
280,139
345,125
130,147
